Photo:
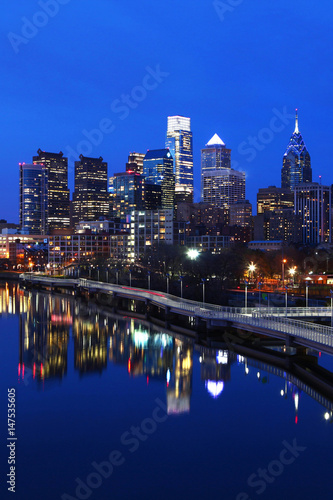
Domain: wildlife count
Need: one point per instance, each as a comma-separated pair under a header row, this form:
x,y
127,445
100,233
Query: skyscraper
x,y
33,198
179,141
58,192
221,185
90,198
313,205
296,166
135,163
128,193
158,169
215,156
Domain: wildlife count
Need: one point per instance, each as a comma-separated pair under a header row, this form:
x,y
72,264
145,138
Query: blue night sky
x,y
232,66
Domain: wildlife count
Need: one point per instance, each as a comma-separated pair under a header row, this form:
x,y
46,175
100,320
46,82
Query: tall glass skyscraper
x,y
296,161
221,185
33,198
179,142
58,192
313,204
215,156
158,169
90,198
127,193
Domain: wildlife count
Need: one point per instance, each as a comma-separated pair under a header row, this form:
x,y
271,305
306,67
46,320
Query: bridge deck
x,y
278,322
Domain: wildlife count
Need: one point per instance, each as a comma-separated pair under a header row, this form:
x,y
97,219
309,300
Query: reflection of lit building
x,y
144,352
179,388
90,343
44,331
10,298
215,371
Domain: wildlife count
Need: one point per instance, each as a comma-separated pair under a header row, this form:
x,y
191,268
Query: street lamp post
x,y
97,273
306,295
148,280
283,263
130,277
203,291
117,276
246,283
286,298
167,278
259,288
181,286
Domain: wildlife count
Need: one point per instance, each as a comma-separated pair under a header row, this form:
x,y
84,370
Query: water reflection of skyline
x,y
47,322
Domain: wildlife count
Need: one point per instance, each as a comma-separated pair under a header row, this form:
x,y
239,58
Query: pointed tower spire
x,y
296,123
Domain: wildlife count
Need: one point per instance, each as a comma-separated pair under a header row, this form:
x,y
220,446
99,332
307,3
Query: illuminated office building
x,y
153,196
158,169
215,156
149,228
135,163
33,198
127,193
221,185
313,206
223,188
296,161
90,198
179,142
273,198
77,247
241,214
58,192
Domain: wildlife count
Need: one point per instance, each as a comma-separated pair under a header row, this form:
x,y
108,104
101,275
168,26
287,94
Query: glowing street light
x,y
193,254
252,267
292,273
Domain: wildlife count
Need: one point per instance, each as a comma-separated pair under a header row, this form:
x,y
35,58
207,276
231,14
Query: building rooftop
x,y
215,141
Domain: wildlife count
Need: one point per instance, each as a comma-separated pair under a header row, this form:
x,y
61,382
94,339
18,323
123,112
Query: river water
x,y
111,407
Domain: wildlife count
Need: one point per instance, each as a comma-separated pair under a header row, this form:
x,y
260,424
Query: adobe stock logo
x,y
130,442
264,477
223,8
31,27
121,108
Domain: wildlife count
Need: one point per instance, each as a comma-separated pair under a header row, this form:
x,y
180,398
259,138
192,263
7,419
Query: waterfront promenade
x,y
280,323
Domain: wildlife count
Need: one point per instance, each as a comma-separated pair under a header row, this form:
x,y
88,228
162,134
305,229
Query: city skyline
x,y
239,92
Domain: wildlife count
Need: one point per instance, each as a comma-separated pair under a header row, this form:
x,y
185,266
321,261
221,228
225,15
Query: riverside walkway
x,y
275,322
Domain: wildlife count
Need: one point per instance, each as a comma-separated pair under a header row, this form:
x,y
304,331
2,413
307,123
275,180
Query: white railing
x,y
274,319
